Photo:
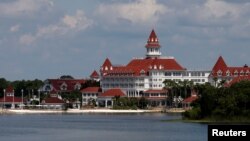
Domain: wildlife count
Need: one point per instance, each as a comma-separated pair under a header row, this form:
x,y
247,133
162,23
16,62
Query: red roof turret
x,y
153,41
94,74
107,66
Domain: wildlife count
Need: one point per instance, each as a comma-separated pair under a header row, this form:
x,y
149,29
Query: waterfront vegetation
x,y
221,104
130,103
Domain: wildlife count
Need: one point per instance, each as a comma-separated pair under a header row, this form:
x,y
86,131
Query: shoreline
x,y
74,111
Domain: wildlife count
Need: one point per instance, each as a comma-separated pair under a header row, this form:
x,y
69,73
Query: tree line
x,y
29,87
220,103
177,91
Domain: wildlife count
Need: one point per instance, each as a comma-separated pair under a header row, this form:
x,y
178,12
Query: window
x,y
177,74
242,73
203,73
203,80
142,72
219,73
228,73
247,73
168,74
236,73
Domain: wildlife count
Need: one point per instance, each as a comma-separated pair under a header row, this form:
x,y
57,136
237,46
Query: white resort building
x,y
145,76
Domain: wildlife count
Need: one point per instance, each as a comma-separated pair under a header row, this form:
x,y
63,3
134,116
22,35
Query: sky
x,y
49,38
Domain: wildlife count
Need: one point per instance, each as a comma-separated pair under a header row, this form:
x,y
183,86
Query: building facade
x,y
222,74
146,74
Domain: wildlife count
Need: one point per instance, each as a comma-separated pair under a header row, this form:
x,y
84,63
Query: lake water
x,y
99,127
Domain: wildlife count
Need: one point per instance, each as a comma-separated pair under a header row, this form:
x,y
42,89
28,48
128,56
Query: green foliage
x,y
66,77
26,85
176,89
3,84
222,102
73,96
192,114
129,103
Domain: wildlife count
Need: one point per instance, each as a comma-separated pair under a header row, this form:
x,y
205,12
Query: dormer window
x,y
241,73
236,73
160,67
228,73
155,67
219,73
142,72
247,72
63,86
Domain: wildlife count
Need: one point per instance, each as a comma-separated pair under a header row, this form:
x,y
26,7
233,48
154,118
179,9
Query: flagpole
x,y
4,98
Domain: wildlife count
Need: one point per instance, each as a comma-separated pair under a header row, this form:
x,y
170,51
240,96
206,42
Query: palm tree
x,y
169,85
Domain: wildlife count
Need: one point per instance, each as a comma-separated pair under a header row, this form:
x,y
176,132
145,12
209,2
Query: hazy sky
x,y
48,38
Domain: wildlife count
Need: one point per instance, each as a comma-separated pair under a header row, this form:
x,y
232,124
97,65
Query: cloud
x,y
14,28
137,12
68,24
27,39
23,7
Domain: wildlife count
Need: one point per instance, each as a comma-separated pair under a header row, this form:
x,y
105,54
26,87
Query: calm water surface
x,y
98,127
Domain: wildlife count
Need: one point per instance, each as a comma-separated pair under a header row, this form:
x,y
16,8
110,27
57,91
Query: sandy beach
x,y
74,111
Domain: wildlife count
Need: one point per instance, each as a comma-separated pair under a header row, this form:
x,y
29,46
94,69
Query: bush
x,y
192,114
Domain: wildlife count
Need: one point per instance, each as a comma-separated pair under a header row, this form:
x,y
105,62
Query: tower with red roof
x,y
153,46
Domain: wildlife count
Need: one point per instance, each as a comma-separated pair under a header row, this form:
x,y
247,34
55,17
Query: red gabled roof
x,y
220,64
107,63
94,74
56,83
156,91
51,100
237,79
190,99
152,40
137,66
112,93
91,90
53,91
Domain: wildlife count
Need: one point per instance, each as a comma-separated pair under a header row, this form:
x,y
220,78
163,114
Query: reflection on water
x,y
98,127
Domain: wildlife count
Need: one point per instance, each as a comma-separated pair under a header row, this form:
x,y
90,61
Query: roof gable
x,y
220,64
112,93
94,74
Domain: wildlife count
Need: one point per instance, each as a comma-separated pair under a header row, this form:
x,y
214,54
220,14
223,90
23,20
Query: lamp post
x,y
39,98
13,102
22,98
4,98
